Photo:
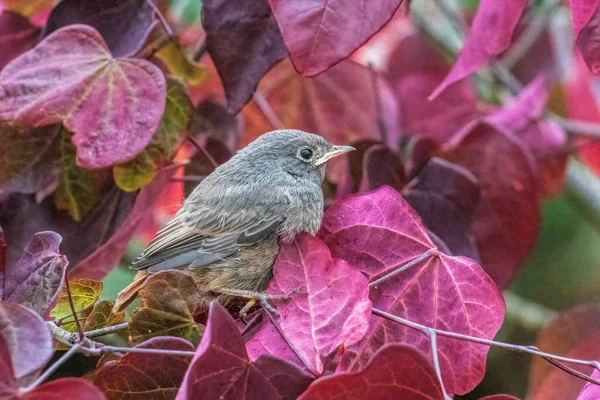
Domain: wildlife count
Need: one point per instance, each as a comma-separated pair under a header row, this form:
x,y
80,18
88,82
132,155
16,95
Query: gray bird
x,y
228,232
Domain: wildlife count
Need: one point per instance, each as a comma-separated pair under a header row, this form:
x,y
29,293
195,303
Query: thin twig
x,y
427,254
202,150
572,371
161,18
378,107
267,111
72,305
108,330
53,368
436,361
200,50
509,346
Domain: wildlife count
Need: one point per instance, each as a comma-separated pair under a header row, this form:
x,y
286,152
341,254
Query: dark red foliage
x,y
17,35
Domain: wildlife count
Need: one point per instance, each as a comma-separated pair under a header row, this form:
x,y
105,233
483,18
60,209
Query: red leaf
x,y
586,30
499,397
415,68
113,106
151,376
66,389
396,371
377,233
124,24
574,333
446,196
29,341
490,35
320,34
8,383
221,369
525,118
591,391
244,42
507,219
17,35
332,306
36,279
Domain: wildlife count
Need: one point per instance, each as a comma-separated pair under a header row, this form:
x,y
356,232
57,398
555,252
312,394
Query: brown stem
x,y
72,305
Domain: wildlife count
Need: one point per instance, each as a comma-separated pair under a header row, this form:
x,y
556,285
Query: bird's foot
x,y
255,297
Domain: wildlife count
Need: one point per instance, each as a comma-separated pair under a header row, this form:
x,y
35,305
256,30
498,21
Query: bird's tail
x,y
127,295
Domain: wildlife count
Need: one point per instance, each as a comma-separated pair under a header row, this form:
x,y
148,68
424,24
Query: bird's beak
x,y
335,151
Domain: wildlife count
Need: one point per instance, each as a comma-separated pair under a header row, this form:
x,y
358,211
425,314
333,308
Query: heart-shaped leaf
x,y
221,369
84,293
331,304
112,105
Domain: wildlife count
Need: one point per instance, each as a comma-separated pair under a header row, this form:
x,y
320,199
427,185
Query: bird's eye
x,y
306,153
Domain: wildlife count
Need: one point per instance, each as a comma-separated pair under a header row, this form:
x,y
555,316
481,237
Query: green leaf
x,y
140,171
169,300
84,293
102,316
175,57
79,189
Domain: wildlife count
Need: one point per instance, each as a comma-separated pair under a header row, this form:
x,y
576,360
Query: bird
x,y
229,230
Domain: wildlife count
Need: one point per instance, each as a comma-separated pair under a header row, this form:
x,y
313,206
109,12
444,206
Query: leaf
x,y
29,341
201,165
446,197
123,24
78,189
331,303
586,24
507,219
590,391
17,35
2,262
490,35
84,293
575,334
499,397
28,158
396,371
7,378
176,58
221,369
36,279
113,106
146,376
94,245
525,118
244,42
381,166
142,170
65,388
27,8
211,118
338,105
377,233
320,34
102,316
414,78
169,301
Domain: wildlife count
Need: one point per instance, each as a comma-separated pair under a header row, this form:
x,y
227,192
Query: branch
x,y
71,338
513,347
267,111
202,150
53,368
378,107
72,305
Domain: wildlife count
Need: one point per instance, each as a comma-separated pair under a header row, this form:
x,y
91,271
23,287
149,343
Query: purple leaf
x,y
28,340
124,24
586,30
396,371
490,35
525,118
381,166
8,383
446,197
507,219
377,233
319,34
36,279
244,42
17,35
113,106
66,389
221,369
331,304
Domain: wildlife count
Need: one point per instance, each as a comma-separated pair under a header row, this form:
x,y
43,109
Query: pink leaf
x,y
525,118
221,369
66,389
17,35
319,34
396,371
8,383
377,233
36,279
591,391
113,106
332,305
491,34
586,30
29,341
499,397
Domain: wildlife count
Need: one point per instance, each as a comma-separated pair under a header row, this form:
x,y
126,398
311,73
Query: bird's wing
x,y
212,227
